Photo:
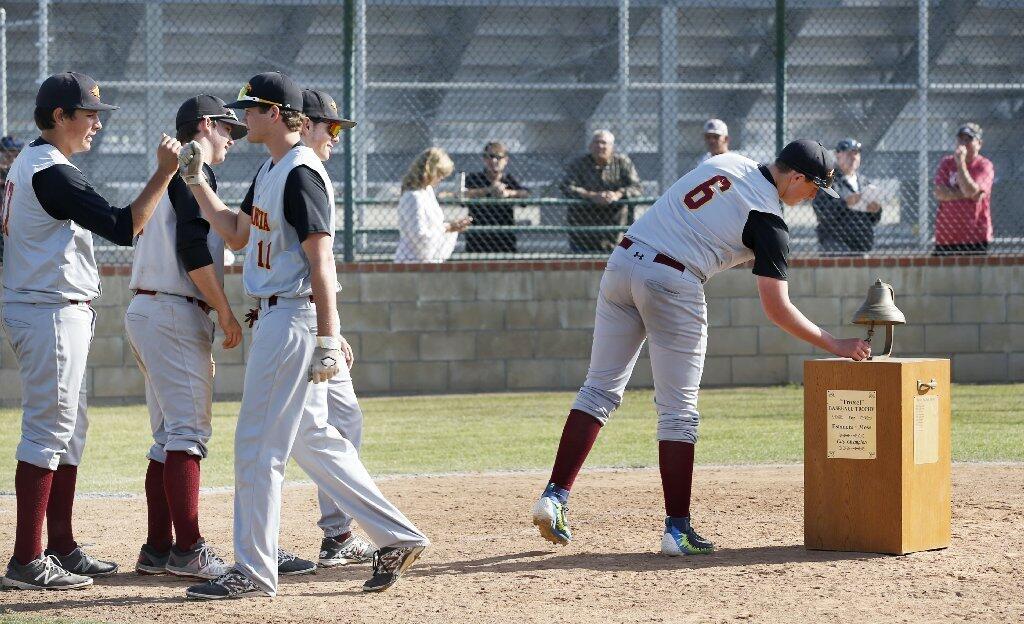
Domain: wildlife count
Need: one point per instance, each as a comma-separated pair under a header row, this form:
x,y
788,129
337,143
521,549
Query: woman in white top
x,y
423,234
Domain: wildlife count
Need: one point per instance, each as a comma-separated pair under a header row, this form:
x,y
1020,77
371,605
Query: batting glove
x,y
190,164
327,359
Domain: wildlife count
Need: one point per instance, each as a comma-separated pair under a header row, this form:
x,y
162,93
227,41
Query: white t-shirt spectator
x,y
422,233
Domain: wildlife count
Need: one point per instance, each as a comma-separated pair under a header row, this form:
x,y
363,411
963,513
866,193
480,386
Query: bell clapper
x,y
871,332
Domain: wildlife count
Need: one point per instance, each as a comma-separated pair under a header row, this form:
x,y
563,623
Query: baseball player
x,y
177,278
49,214
722,213
320,132
287,219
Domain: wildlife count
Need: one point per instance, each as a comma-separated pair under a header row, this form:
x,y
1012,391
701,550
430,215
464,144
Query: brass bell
x,y
878,309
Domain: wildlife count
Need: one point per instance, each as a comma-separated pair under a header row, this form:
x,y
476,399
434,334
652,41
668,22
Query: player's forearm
x,y
145,203
232,226
781,311
205,279
324,281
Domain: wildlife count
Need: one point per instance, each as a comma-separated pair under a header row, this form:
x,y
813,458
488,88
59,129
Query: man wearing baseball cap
x,y
287,219
846,226
340,546
724,212
963,187
50,279
177,279
716,138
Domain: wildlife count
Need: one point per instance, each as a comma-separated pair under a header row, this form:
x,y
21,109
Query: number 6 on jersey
x,y
703,193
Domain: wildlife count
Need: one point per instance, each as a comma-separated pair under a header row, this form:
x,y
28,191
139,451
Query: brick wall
x,y
471,327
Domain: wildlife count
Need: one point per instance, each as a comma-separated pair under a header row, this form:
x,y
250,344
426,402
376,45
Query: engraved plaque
x,y
926,429
850,415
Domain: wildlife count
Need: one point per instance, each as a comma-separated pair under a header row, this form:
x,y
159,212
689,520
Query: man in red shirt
x,y
963,186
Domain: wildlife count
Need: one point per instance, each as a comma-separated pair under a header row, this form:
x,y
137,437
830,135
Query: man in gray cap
x,y
963,186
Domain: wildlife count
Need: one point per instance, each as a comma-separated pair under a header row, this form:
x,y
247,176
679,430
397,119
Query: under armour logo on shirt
x,y
637,254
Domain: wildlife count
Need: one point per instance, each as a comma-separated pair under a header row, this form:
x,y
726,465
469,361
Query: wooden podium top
x,y
897,360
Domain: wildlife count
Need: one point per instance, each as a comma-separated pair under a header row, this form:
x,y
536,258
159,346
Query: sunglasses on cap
x,y
243,95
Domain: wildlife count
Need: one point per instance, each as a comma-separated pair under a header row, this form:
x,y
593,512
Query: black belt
x,y
661,258
205,307
272,300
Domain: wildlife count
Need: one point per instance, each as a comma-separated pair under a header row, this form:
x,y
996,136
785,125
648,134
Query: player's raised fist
x,y
190,160
167,154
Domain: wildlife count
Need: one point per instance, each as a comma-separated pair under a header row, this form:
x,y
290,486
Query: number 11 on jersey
x,y
262,261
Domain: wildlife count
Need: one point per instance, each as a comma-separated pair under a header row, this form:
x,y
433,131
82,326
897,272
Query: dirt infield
x,y
489,565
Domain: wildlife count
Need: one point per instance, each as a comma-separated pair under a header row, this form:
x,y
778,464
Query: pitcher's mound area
x,y
488,564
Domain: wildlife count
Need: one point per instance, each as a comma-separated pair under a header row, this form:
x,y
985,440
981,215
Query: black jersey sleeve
x,y
768,237
65,194
247,202
306,204
190,226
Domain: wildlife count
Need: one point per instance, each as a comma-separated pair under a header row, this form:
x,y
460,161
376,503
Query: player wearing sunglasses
x,y
340,546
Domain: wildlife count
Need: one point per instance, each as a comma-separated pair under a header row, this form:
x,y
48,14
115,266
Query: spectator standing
x,y
963,187
9,150
847,225
716,138
602,178
423,234
493,182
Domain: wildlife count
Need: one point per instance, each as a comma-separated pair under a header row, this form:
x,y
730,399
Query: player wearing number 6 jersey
x,y
721,214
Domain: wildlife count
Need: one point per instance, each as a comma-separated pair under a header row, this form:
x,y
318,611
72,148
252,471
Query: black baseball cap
x,y
71,90
202,106
813,160
319,106
270,88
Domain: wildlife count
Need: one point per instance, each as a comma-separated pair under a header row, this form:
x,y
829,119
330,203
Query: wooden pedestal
x,y
890,494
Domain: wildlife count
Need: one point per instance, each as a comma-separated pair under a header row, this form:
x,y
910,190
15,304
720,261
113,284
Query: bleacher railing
x,y
900,77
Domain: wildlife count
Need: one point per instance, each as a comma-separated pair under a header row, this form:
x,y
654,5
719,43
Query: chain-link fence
x,y
533,80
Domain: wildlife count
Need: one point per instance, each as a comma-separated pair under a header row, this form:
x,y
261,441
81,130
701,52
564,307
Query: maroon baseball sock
x,y
32,486
181,483
158,513
59,535
676,462
578,437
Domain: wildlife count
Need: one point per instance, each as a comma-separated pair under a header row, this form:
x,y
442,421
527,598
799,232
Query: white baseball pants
x,y
51,343
639,300
283,413
172,341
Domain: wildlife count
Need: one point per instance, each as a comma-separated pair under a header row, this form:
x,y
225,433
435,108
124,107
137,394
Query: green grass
x,y
520,431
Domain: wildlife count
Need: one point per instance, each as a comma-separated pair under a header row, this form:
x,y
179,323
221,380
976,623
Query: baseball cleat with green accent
x,y
680,539
549,515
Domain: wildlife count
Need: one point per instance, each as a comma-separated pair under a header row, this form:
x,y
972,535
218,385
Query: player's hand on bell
x,y
853,348
346,351
327,359
232,330
167,154
190,163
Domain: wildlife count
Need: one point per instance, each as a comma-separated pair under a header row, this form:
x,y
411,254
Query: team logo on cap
x,y
334,107
95,91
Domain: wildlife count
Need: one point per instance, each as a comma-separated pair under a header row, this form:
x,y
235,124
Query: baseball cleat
x,y
549,514
41,574
78,562
290,565
199,562
680,539
151,560
353,550
231,584
389,563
